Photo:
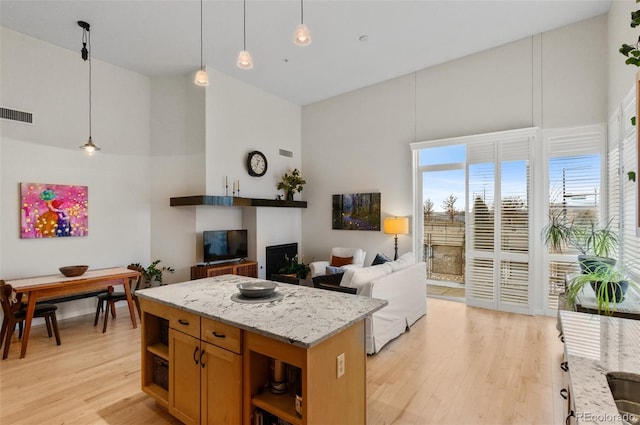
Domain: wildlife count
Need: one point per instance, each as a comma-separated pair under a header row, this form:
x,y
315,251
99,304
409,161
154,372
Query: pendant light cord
x,y
86,40
302,11
201,64
244,25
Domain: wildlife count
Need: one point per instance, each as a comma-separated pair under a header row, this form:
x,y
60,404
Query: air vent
x,y
13,115
284,152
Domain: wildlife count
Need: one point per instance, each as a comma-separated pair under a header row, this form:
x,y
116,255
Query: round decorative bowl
x,y
259,289
73,271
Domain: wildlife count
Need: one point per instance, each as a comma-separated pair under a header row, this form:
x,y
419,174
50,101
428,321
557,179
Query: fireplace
x,y
276,257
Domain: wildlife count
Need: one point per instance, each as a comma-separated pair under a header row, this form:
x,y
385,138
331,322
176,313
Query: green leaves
x,y
632,52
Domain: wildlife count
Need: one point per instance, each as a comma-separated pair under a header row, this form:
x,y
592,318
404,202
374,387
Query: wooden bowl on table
x,y
73,271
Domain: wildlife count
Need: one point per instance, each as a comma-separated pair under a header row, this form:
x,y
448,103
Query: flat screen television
x,y
220,245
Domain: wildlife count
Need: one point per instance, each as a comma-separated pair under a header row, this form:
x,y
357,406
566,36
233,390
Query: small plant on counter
x,y
609,286
153,272
300,269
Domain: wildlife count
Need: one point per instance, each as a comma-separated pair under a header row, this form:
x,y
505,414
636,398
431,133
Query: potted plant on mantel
x,y
291,183
152,275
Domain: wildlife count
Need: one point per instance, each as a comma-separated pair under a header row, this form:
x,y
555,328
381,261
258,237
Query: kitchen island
x,y
209,358
595,345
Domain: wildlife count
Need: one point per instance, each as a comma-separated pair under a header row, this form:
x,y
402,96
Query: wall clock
x,y
256,164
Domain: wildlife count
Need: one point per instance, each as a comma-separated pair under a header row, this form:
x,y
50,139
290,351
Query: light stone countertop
x,y
304,316
595,345
630,304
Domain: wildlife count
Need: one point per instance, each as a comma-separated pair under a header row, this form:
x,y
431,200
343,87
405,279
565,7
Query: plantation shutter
x,y
498,226
574,191
514,224
481,225
613,171
630,243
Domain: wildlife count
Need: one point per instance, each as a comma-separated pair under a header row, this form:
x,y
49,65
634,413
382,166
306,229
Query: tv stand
x,y
246,268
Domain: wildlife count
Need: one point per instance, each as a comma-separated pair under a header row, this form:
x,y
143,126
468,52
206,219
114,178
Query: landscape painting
x,y
356,211
53,210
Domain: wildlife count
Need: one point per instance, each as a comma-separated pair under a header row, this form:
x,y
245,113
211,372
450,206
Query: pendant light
x,y
201,76
89,147
302,37
244,58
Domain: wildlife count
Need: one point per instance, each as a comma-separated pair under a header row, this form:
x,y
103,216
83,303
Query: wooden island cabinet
x,y
208,358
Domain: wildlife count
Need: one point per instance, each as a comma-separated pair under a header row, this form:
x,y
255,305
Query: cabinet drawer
x,y
221,334
186,322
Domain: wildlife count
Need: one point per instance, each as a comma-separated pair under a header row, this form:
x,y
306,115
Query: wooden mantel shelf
x,y
233,201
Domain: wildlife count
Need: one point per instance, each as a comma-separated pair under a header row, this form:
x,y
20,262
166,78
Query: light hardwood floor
x,y
457,365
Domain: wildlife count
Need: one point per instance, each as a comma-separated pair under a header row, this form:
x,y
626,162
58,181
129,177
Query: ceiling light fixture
x,y
302,37
89,147
244,58
201,76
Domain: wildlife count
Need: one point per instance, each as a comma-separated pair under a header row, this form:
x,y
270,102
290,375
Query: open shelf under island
x,y
219,353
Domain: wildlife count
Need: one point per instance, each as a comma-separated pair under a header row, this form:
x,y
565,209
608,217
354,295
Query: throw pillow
x,y
380,259
330,279
333,270
340,261
403,262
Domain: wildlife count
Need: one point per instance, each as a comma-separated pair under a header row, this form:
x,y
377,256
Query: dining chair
x,y
107,300
14,314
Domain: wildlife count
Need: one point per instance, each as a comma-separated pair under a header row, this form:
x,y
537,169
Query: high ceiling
x,y
161,38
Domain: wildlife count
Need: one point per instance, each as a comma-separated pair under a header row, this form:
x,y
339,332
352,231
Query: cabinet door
x,y
219,270
221,386
184,377
249,269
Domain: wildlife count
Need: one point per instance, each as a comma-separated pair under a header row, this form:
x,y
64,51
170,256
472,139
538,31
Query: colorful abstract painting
x,y
356,211
53,210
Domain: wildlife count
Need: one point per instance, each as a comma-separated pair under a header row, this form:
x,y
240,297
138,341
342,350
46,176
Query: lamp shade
x,y
244,60
396,225
201,78
302,36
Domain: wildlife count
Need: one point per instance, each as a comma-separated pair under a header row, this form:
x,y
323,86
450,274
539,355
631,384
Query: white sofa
x,y
403,284
319,267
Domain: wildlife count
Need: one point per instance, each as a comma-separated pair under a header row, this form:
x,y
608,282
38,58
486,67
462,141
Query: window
x,y
622,151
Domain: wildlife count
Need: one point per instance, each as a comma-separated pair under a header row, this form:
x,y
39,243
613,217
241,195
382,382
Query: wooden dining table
x,y
57,285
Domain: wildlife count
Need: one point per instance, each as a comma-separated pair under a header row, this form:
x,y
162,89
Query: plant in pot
x,y
293,267
608,283
595,244
291,183
153,273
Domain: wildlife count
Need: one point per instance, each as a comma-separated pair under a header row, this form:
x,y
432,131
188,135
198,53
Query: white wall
x,y
177,169
52,83
621,76
199,136
359,141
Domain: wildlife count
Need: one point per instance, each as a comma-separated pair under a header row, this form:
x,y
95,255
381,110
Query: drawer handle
x,y
564,393
201,362
183,322
564,366
569,416
218,335
195,358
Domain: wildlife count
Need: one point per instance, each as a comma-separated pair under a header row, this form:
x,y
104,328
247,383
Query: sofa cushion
x,y
340,261
380,259
403,262
355,278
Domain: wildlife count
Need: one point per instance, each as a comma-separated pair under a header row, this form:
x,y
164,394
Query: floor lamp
x,y
396,226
